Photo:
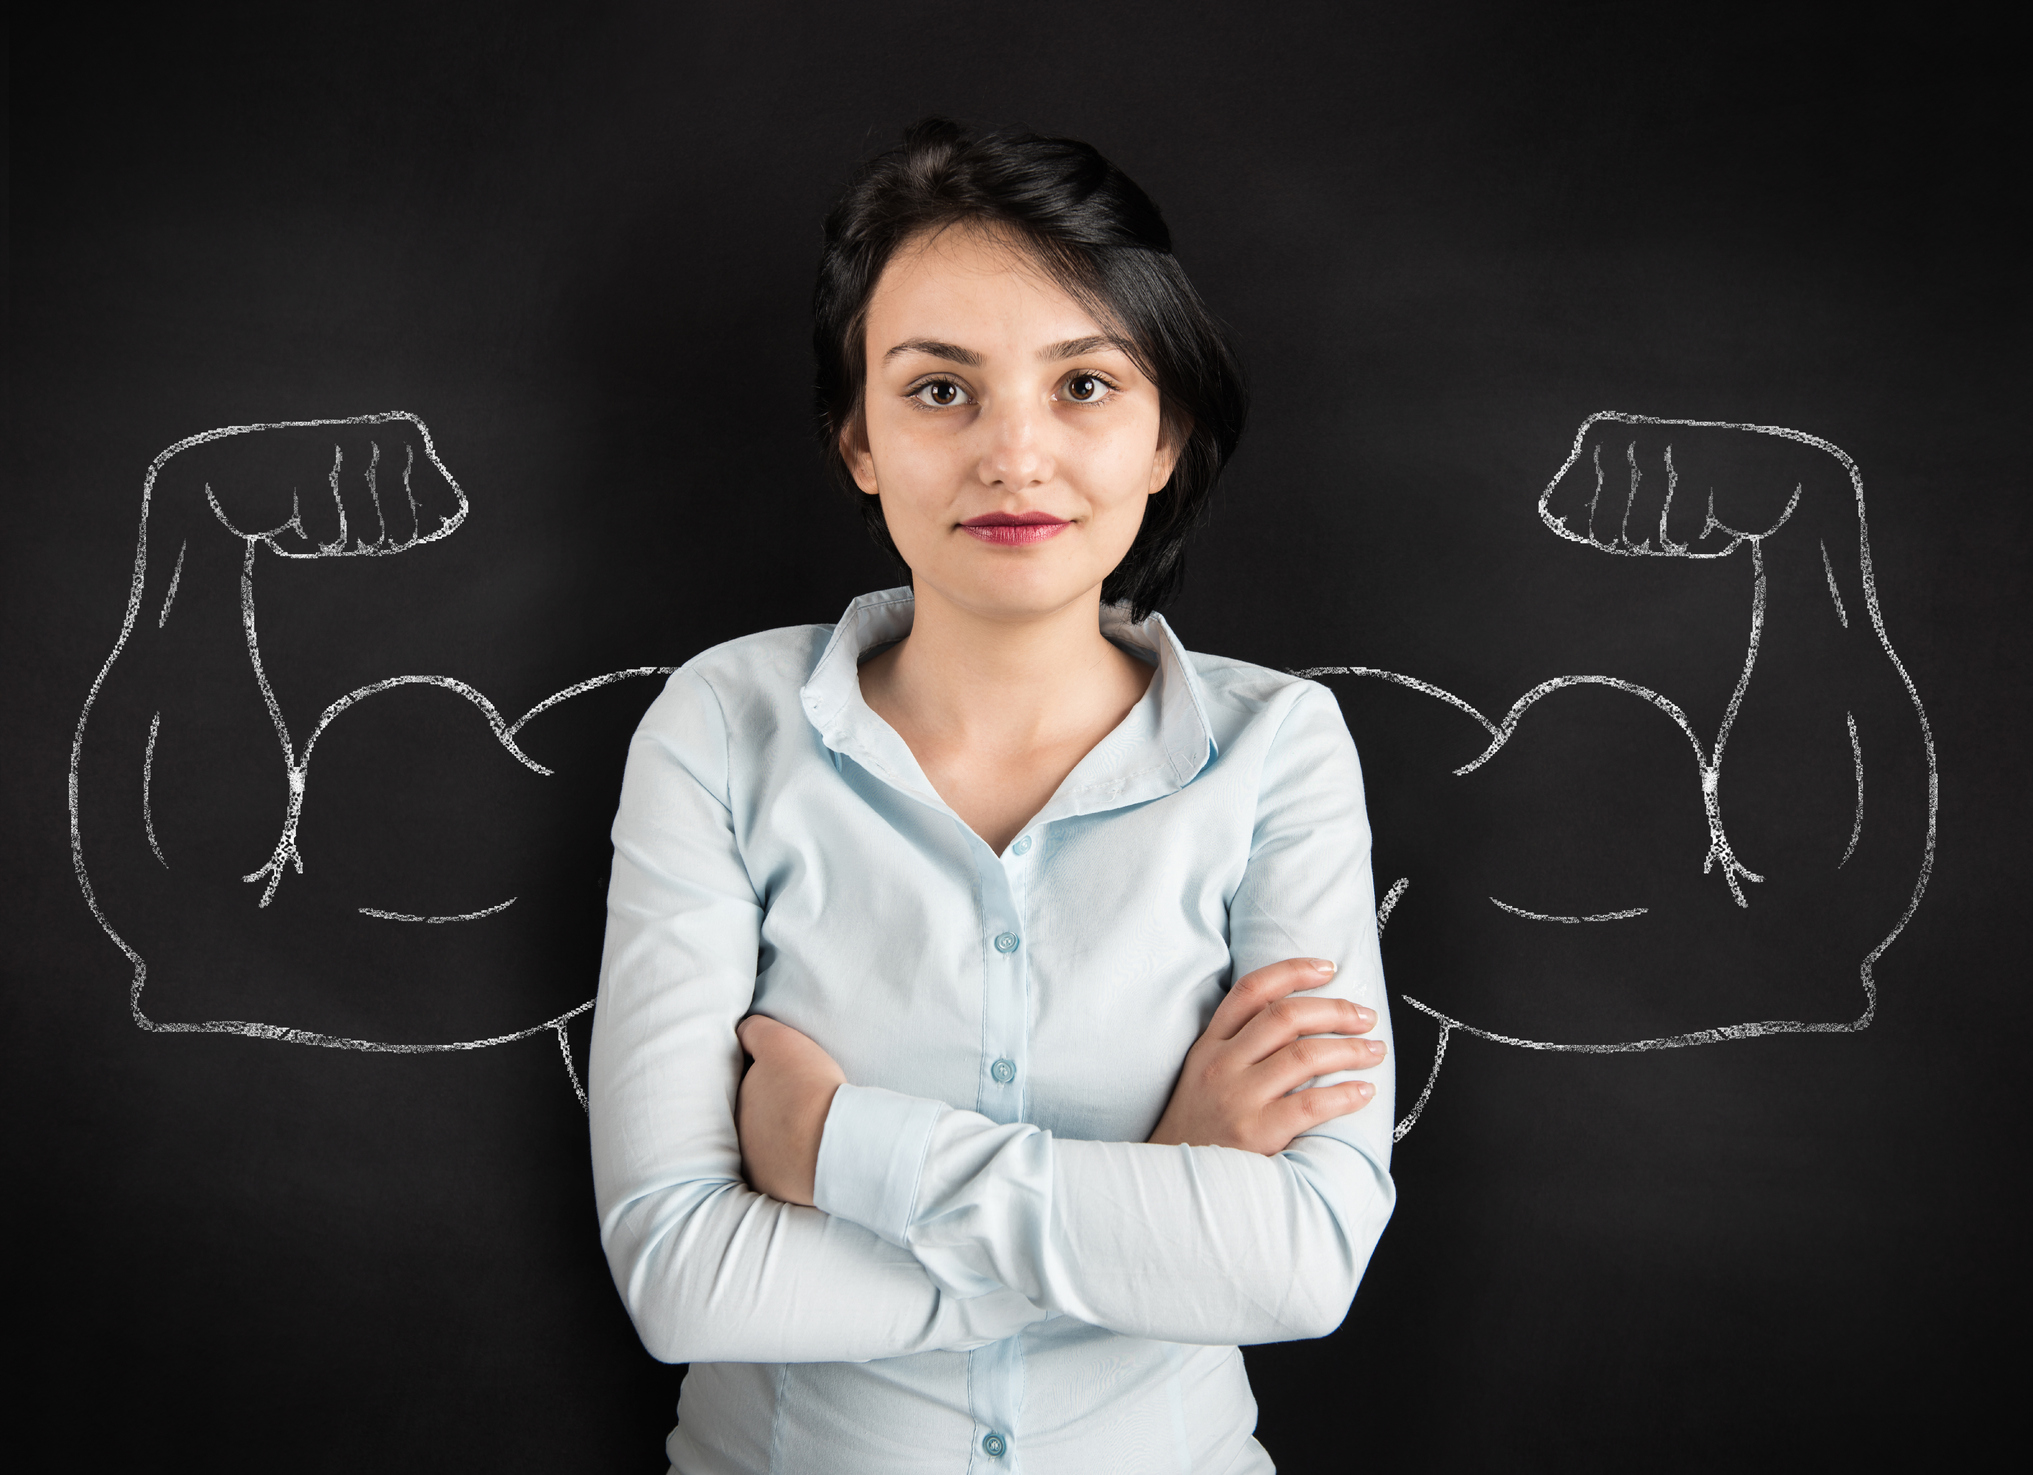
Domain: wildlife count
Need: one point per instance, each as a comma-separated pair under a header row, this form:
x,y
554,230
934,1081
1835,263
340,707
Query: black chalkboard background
x,y
576,242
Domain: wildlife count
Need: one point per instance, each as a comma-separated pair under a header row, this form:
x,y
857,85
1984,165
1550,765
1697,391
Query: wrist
x,y
871,1156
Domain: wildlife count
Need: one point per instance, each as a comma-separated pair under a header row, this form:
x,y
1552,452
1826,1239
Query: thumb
x,y
757,1032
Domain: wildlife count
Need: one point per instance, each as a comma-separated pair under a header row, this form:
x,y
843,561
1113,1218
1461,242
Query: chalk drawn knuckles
x,y
1644,487
363,486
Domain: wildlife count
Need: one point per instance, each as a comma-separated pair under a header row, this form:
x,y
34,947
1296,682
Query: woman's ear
x,y
1172,434
854,451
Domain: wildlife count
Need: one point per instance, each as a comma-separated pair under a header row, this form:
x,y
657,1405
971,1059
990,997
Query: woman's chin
x,y
1025,587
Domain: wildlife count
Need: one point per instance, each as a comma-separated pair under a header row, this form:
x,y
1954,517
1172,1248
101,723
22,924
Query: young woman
x,y
1052,943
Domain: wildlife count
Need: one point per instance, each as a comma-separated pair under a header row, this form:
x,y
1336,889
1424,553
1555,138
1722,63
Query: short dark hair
x,y
1100,238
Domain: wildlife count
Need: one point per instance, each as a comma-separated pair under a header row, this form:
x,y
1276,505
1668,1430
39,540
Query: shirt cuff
x,y
871,1157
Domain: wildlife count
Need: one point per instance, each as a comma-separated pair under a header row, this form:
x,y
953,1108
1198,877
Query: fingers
x,y
392,471
381,490
1302,1111
1253,992
1282,1021
1623,490
1681,488
1308,1059
326,488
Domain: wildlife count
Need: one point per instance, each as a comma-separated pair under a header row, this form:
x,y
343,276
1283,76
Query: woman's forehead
x,y
973,281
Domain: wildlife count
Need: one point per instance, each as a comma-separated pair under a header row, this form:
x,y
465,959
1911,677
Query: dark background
x,y
577,240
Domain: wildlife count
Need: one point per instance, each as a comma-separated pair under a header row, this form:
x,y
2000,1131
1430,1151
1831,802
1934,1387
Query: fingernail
x,y
1364,1015
1321,965
1364,1088
1374,1047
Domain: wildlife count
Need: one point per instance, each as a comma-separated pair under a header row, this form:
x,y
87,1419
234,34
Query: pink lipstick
x,y
1014,529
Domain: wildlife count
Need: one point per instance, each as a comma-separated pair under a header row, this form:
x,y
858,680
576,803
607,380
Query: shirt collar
x,y
1159,747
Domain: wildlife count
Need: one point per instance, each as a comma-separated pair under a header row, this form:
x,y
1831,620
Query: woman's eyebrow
x,y
952,352
1072,348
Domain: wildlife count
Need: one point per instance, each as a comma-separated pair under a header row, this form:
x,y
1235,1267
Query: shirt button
x,y
1022,847
995,1445
1005,942
1004,1071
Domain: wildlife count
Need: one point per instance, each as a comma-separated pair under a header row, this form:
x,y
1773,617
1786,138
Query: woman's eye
x,y
1086,389
940,394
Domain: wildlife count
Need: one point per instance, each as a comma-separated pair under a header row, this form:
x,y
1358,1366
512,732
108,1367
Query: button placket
x,y
995,1396
1005,1003
995,1373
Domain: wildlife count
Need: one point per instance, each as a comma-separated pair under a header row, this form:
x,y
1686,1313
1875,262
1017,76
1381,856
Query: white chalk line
x,y
147,782
583,687
1751,1031
1711,775
374,493
499,906
1412,681
1756,1030
1856,750
1623,916
571,1069
254,1030
1411,1118
1834,591
1390,901
286,848
175,577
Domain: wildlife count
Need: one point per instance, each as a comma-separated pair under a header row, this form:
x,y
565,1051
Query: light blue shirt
x,y
1001,1274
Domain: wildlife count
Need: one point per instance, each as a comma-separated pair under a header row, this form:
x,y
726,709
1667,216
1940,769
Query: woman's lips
x,y
1014,529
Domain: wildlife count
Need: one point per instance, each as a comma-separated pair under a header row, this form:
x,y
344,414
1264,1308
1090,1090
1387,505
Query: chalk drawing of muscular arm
x,y
1705,816
1730,816
193,792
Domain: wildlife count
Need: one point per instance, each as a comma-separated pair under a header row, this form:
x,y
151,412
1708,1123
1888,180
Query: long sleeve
x,y
708,1269
1187,1244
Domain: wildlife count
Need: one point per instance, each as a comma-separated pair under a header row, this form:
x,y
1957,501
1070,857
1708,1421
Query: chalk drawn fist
x,y
1710,810
335,489
1679,490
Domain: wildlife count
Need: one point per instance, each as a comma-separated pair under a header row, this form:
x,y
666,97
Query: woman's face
x,y
1012,442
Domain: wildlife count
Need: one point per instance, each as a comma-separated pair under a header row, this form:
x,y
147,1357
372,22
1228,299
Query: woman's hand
x,y
780,1114
1232,1089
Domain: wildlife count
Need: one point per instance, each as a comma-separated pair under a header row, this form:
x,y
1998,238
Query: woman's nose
x,y
1018,453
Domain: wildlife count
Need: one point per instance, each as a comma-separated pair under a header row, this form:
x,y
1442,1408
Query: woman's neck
x,y
999,709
